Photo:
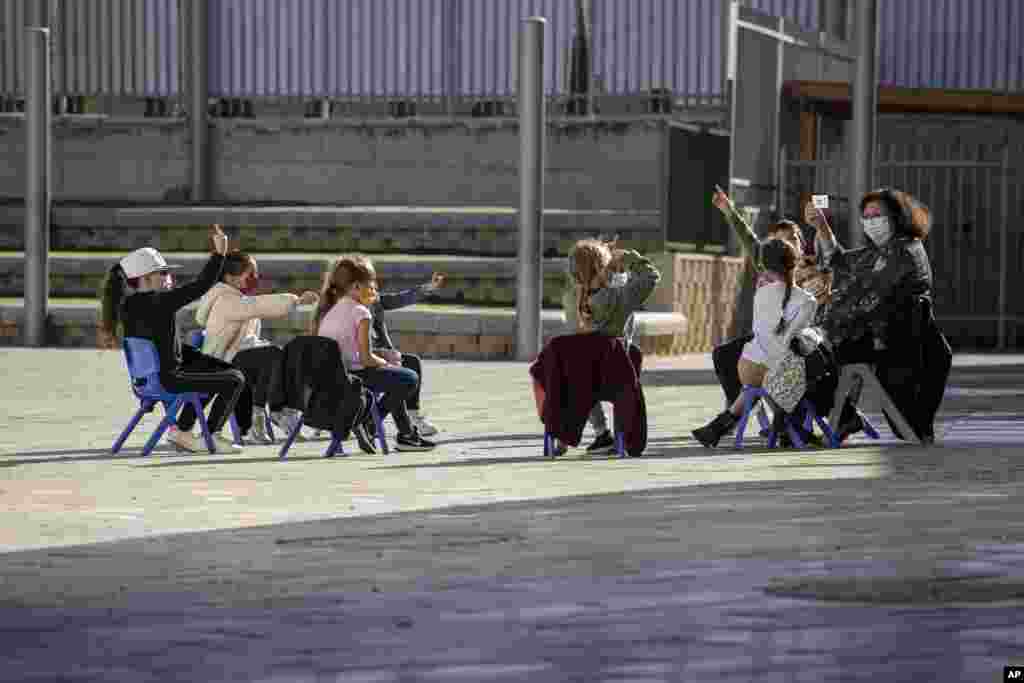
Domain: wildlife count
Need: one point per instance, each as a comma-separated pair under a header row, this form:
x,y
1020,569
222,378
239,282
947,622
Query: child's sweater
x,y
232,319
613,307
767,348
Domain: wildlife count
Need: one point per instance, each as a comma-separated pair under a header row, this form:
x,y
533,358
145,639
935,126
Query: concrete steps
x,y
479,280
482,231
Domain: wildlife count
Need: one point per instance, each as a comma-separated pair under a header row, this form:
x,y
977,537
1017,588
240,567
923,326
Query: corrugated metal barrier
x,y
100,47
438,51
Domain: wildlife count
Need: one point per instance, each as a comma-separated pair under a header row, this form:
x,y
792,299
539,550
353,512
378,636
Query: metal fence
x,y
974,194
445,54
100,47
437,54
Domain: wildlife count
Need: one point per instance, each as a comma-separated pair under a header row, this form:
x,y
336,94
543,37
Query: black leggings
x,y
727,358
263,367
413,363
213,377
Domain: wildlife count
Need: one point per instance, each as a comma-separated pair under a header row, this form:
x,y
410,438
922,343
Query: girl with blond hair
x,y
605,288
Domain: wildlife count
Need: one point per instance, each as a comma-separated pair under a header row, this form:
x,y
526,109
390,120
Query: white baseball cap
x,y
143,262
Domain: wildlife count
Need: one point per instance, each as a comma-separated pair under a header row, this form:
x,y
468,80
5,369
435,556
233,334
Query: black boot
x,y
711,433
850,422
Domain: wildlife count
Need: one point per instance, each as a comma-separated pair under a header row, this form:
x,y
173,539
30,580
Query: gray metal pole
x,y
198,96
1004,212
38,135
865,107
532,132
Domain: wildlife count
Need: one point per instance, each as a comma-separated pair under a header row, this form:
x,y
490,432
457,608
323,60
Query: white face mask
x,y
617,280
877,229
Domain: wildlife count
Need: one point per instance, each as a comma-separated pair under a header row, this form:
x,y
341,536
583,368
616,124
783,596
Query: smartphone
x,y
820,201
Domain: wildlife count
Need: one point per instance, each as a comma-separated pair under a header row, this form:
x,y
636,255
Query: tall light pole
x,y
865,107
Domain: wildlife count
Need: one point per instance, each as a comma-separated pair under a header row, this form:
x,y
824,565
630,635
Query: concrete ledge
x,y
463,332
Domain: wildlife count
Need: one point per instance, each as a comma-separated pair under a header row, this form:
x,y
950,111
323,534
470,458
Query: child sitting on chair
x,y
781,310
605,290
139,299
344,314
382,344
231,314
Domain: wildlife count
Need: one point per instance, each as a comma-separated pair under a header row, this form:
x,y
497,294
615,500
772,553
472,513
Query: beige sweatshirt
x,y
230,317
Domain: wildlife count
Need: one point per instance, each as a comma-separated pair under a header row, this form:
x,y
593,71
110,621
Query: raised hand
x,y
721,200
218,240
308,298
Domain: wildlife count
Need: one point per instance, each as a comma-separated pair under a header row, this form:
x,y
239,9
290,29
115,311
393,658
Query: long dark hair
x,y
910,216
780,258
345,272
236,263
113,292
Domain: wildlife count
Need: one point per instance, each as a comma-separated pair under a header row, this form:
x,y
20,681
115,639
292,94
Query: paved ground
x,y
482,561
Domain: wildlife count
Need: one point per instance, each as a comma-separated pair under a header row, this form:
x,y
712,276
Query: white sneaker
x,y
184,441
422,424
225,443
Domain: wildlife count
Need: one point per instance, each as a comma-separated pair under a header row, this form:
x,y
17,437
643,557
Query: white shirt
x,y
767,348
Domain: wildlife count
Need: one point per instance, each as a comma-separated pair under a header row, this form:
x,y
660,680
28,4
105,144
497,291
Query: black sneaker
x,y
413,442
604,443
850,426
365,442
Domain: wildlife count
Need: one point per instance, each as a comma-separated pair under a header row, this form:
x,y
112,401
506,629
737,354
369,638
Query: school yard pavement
x,y
483,561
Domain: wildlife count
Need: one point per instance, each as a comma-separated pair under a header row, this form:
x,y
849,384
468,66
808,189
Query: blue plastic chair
x,y
752,394
335,447
378,420
196,339
144,368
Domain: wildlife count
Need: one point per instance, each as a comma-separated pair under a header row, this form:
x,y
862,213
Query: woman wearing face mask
x,y
231,313
873,316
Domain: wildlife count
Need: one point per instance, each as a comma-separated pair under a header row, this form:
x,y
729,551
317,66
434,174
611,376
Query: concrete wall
x,y
130,160
591,165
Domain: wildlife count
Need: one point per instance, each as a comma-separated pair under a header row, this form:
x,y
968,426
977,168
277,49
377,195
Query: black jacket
x,y
316,382
875,288
389,301
153,315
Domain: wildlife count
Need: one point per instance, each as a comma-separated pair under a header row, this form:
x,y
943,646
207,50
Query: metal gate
x,y
972,248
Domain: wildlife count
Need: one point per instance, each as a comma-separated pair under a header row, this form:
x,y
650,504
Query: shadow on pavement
x,y
539,434
675,377
75,455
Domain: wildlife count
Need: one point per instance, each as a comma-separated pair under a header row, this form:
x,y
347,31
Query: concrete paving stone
x,y
482,560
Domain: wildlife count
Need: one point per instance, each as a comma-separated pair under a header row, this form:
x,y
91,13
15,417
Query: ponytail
x,y
328,297
584,314
112,296
781,327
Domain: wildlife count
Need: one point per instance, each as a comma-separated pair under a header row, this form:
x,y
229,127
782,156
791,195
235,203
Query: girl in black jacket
x,y
140,300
